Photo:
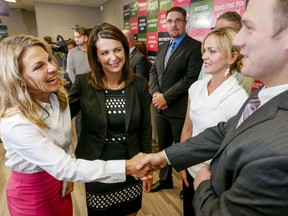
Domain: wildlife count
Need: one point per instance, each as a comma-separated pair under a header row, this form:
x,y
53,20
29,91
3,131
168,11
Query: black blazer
x,y
139,64
91,102
249,169
181,71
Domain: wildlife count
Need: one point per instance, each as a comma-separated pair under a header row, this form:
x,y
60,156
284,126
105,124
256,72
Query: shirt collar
x,y
266,94
132,49
178,40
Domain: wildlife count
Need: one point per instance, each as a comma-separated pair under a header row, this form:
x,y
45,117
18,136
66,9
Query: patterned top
x,y
116,143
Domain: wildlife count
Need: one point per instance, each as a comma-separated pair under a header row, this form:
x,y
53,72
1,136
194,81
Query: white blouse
x,y
32,149
208,110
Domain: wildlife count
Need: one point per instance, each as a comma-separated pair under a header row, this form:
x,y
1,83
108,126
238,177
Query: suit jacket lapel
x,y
176,52
132,53
101,102
129,94
162,54
264,113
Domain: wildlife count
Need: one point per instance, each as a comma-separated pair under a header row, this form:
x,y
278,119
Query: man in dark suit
x,y
176,67
138,61
248,174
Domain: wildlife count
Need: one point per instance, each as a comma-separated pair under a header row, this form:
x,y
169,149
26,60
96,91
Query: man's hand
x,y
159,101
138,173
154,161
202,175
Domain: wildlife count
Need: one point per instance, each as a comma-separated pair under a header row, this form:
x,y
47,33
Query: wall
x,y
20,22
113,12
55,18
51,17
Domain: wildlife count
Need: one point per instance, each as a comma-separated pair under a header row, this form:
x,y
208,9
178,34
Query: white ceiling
x,y
29,4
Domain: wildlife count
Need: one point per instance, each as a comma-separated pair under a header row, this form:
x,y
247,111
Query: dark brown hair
x,y
178,9
107,31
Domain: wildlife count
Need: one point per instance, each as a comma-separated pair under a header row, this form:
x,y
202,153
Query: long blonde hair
x,y
13,91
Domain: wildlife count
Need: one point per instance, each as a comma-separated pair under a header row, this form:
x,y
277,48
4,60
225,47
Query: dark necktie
x,y
250,107
169,53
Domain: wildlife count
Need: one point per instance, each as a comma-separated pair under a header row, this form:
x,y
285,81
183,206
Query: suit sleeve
x,y
154,85
259,189
194,64
146,130
258,180
197,149
74,97
142,67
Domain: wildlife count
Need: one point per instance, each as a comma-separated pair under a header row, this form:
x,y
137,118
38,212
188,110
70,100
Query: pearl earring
x,y
227,72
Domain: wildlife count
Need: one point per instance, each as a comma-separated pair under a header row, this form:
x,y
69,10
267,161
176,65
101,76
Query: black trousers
x,y
169,131
188,194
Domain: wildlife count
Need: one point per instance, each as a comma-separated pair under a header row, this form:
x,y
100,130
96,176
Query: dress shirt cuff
x,y
117,170
166,157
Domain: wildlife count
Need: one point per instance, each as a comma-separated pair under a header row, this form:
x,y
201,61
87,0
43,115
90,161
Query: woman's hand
x,y
69,188
183,178
146,185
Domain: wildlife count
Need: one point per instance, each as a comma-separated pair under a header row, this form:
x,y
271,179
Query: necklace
x,y
119,87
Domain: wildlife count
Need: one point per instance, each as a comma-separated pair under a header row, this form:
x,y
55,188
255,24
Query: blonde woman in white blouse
x,y
214,99
35,129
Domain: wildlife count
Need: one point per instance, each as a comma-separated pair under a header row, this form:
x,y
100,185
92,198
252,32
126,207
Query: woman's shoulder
x,y
139,80
12,119
82,79
140,84
83,76
199,84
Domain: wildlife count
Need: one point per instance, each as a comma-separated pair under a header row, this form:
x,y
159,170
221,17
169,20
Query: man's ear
x,y
286,40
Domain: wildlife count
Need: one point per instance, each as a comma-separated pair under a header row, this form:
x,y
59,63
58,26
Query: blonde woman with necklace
x,y
115,107
214,99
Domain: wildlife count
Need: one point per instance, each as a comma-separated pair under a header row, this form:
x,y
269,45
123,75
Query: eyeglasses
x,y
177,21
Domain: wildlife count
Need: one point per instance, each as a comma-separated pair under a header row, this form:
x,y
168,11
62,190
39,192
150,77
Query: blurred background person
x,y
71,44
138,61
77,63
77,60
56,49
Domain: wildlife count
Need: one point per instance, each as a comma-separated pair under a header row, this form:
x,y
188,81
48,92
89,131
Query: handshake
x,y
142,165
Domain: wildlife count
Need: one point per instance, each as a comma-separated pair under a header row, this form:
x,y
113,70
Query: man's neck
x,y
83,47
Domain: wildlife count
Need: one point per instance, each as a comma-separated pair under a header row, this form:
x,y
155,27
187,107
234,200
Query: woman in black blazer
x,y
115,107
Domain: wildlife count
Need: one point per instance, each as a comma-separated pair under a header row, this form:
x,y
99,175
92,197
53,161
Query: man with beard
x,y
77,60
176,67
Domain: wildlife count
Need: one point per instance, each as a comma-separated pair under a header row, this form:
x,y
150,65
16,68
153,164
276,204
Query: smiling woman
x,y
40,73
115,107
35,125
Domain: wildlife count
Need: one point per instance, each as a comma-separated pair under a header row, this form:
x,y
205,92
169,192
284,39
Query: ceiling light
x,y
10,0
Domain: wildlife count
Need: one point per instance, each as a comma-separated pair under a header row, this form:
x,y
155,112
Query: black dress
x,y
117,198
